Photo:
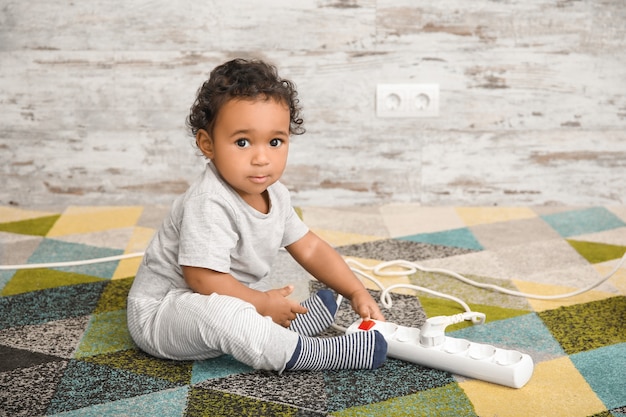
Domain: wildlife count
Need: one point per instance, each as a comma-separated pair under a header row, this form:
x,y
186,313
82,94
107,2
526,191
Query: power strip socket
x,y
458,356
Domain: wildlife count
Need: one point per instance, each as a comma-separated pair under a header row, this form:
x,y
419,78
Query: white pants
x,y
188,326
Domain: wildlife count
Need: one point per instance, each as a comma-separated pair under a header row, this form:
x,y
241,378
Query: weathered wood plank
x,y
235,26
94,95
536,167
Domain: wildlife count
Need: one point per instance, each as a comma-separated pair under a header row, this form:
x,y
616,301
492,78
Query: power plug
x,y
433,332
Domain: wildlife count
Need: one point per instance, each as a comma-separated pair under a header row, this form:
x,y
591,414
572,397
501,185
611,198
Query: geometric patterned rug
x,y
65,348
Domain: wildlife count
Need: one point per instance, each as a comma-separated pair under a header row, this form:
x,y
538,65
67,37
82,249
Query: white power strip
x,y
459,356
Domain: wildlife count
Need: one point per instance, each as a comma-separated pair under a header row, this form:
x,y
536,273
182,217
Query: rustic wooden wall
x,y
94,93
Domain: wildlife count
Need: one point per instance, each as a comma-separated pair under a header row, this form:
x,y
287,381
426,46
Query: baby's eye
x,y
275,143
242,143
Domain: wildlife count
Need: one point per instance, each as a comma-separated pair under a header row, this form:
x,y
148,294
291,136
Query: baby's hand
x,y
365,306
281,309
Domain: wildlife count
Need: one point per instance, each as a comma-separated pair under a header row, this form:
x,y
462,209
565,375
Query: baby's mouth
x,y
259,179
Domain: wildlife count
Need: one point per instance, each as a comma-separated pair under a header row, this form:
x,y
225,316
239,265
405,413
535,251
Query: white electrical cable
x,y
380,270
411,268
385,298
72,263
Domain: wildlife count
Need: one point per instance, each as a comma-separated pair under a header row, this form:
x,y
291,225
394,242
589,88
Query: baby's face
x,y
250,144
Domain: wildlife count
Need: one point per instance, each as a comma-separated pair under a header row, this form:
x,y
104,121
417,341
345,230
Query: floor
x,y
540,250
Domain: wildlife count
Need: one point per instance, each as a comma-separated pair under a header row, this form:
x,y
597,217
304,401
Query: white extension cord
x,y
72,263
410,268
380,270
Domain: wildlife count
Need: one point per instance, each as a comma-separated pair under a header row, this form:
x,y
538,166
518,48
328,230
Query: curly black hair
x,y
242,79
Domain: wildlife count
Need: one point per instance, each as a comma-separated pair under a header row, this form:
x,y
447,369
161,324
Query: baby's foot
x,y
322,308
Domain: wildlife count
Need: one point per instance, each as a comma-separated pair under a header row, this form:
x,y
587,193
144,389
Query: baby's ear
x,y
205,143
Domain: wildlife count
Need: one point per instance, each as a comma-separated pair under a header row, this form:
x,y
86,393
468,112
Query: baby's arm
x,y
271,303
328,267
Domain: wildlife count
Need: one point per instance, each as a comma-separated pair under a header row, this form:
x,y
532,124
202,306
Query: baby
x,y
201,290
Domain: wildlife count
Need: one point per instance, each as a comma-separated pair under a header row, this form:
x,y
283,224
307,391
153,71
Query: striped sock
x,y
360,350
322,308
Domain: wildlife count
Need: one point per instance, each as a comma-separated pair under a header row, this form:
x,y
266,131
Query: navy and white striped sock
x,y
360,350
322,308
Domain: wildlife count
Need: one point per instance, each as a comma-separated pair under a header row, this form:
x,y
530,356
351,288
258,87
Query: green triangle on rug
x,y
114,295
35,227
597,252
26,280
201,402
138,362
106,333
449,400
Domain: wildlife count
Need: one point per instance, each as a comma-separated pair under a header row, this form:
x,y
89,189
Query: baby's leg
x,y
322,308
361,350
191,326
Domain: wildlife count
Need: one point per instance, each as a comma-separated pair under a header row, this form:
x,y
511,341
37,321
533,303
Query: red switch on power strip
x,y
367,324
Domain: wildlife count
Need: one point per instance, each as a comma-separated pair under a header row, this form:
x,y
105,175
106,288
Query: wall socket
x,y
407,100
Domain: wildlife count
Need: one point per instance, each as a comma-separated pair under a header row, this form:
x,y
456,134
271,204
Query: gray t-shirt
x,y
211,226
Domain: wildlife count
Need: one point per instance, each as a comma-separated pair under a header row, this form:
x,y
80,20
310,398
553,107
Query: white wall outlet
x,y
407,100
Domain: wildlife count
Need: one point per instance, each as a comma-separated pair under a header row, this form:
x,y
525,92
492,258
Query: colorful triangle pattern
x,y
63,329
